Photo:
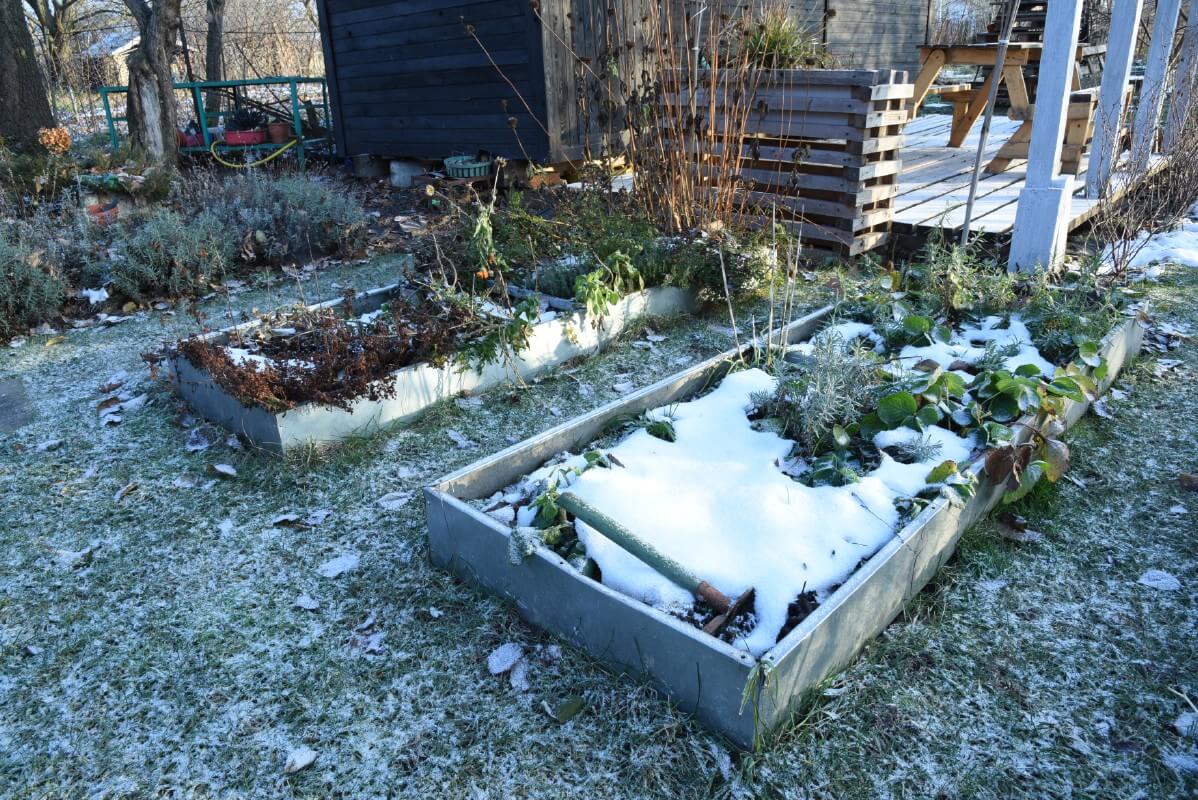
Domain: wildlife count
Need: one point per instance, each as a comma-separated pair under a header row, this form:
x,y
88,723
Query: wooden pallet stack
x,y
821,155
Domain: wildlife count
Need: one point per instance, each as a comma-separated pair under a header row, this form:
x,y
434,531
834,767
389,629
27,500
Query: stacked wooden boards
x,y
819,150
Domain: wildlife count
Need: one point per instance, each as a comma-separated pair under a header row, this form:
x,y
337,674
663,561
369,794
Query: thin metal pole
x,y
999,63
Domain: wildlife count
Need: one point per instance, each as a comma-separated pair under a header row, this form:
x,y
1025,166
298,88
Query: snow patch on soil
x,y
969,345
717,502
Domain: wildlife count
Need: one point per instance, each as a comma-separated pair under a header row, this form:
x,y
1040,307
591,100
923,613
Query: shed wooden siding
x,y
594,30
878,34
406,78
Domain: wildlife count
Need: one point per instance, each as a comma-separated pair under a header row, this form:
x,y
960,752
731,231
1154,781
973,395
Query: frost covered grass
x,y
151,643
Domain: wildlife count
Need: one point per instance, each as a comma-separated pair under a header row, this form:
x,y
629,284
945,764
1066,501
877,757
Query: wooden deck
x,y
934,181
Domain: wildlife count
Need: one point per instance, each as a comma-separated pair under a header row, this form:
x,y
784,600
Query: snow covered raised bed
x,y
557,336
746,683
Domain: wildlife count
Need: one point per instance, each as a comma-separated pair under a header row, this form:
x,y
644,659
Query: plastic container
x,y
245,137
466,167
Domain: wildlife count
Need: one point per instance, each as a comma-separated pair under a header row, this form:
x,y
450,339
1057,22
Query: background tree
x,y
23,104
151,110
59,23
214,51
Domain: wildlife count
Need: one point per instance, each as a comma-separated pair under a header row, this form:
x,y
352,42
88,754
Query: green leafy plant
x,y
169,255
504,338
837,468
608,284
30,292
1018,467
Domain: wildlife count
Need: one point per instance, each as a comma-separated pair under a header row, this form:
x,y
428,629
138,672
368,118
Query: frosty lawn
x,y
174,659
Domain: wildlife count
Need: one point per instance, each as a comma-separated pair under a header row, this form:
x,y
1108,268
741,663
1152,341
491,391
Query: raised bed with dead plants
x,y
347,367
622,542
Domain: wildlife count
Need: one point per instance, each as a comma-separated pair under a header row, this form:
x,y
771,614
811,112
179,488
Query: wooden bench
x,y
1079,131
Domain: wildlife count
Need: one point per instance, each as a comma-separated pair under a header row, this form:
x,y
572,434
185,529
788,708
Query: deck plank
x,y
934,181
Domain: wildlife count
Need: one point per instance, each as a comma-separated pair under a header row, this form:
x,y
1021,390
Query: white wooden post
x,y
1042,215
1185,79
1152,94
1108,120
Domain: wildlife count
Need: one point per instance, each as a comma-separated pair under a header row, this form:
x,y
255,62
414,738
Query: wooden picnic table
x,y
970,104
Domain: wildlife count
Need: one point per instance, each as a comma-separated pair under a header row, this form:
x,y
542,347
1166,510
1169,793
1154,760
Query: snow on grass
x,y
1178,246
717,502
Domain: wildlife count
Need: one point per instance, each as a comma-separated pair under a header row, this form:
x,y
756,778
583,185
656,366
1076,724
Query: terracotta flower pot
x,y
279,132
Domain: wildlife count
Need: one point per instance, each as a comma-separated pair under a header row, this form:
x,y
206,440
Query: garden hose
x,y
270,157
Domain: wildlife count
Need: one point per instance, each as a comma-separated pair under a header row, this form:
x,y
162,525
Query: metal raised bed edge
x,y
570,335
725,688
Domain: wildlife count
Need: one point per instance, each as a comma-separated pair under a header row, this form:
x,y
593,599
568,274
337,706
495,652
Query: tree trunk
x,y
58,51
152,113
214,67
23,104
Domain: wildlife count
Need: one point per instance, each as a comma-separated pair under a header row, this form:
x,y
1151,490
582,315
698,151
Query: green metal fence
x,y
197,89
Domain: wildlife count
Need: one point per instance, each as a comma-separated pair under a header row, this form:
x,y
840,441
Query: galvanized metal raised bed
x,y
569,335
727,689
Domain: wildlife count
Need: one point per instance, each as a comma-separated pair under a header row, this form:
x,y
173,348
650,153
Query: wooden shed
x,y
431,78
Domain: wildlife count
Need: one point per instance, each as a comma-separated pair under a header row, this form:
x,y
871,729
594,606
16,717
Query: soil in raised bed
x,y
330,357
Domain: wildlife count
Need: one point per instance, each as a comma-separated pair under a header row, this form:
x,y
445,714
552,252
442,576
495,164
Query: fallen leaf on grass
x,y
460,439
307,603
1013,527
394,501
317,517
624,387
69,559
223,470
339,565
1101,409
564,711
48,445
1178,509
1159,579
125,491
469,402
200,438
298,759
504,658
518,677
